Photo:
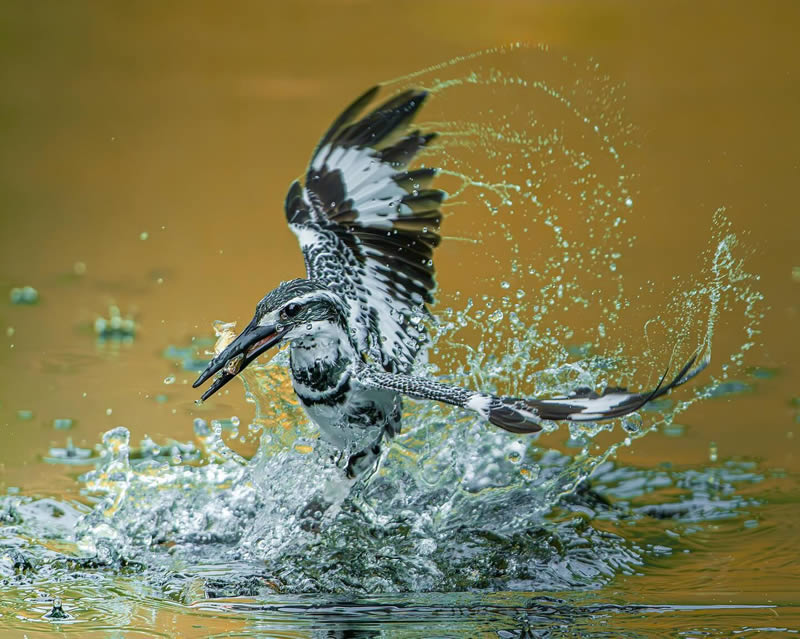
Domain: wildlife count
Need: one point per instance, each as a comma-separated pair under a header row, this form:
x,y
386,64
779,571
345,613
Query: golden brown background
x,y
189,120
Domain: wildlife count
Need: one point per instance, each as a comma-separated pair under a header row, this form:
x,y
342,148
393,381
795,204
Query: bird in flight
x,y
368,224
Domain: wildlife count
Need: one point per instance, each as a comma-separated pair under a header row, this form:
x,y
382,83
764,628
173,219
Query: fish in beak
x,y
249,344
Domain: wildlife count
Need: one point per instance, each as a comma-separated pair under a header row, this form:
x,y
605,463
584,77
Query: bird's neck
x,y
321,360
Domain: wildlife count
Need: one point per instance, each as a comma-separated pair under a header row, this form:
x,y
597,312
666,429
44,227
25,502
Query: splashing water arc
x,y
546,163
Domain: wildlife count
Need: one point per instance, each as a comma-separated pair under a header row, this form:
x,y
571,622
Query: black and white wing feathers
x,y
582,405
525,415
367,226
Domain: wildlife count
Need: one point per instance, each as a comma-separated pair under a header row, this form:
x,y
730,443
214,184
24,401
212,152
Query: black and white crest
x,y
368,225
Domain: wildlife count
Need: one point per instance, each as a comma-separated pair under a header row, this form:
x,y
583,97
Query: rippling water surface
x,y
232,518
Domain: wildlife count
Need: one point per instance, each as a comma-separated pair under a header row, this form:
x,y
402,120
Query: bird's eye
x,y
290,310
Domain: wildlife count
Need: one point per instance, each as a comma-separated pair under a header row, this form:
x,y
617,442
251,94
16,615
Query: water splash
x,y
453,498
545,159
455,504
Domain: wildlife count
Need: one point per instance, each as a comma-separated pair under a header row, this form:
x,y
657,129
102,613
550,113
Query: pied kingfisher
x,y
367,227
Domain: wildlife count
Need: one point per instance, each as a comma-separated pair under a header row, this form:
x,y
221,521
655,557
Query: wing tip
x,y
521,415
295,207
514,415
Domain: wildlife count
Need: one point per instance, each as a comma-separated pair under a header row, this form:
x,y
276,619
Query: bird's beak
x,y
248,345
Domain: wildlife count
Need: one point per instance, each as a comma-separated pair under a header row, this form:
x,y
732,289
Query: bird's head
x,y
295,309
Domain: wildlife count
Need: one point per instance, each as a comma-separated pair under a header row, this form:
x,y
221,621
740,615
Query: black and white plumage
x,y
367,226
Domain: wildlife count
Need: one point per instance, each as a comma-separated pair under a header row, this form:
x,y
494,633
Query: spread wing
x,y
368,225
525,415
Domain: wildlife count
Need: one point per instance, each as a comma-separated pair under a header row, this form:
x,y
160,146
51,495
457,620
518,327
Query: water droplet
x,y
109,411
24,295
496,316
201,427
505,284
632,423
57,611
144,235
628,202
712,452
169,379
